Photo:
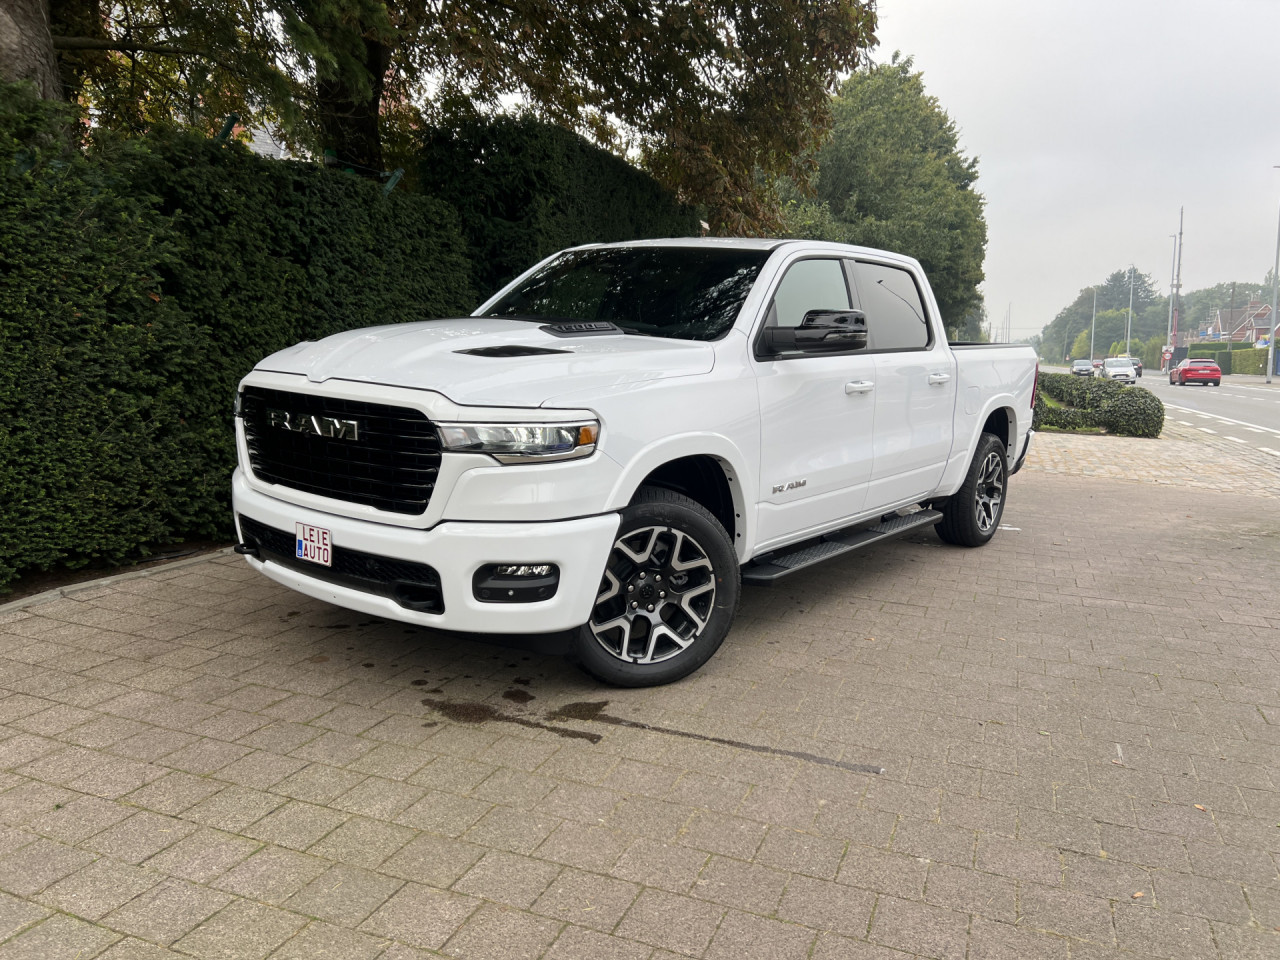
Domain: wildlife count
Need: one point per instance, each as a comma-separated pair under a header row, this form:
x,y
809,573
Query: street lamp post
x,y
1093,324
1128,321
1275,295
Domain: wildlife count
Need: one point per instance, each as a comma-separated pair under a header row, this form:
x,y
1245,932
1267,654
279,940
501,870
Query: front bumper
x,y
456,550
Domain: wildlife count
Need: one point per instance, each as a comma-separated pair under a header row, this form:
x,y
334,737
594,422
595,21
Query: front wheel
x,y
668,595
971,516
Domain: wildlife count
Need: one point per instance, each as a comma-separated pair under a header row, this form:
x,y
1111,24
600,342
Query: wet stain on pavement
x,y
592,711
482,712
518,696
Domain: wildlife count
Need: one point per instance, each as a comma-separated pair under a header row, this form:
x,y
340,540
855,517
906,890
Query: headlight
x,y
522,442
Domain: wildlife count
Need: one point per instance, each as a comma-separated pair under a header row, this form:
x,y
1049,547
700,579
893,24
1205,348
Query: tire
x,y
970,517
671,552
1217,383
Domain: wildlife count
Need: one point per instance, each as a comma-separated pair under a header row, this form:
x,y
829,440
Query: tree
x,y
891,175
717,98
26,47
1150,314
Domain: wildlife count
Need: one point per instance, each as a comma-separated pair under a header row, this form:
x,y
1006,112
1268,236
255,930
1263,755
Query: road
x,y
1244,410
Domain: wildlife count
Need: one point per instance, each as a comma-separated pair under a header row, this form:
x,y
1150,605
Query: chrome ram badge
x,y
330,427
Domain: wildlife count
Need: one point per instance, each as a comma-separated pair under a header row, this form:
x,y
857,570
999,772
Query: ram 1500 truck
x,y
619,438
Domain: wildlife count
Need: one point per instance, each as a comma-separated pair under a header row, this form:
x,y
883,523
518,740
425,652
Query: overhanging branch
x,y
123,46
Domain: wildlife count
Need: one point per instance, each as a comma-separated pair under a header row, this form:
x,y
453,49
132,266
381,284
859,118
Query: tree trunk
x,y
82,20
349,116
26,46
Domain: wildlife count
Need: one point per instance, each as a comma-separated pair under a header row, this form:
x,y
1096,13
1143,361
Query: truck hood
x,y
508,370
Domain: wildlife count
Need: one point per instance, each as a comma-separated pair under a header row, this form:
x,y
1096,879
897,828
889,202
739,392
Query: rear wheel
x,y
971,516
668,595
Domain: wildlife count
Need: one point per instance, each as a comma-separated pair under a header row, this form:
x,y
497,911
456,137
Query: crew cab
x,y
617,440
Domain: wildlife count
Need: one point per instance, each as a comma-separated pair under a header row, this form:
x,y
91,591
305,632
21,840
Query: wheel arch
x,y
706,470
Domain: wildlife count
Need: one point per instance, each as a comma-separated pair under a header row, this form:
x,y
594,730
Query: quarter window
x,y
896,319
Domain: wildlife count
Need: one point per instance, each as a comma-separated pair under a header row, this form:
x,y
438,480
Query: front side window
x,y
896,318
809,285
685,293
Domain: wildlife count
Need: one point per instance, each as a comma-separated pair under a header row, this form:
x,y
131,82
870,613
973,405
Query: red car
x,y
1196,370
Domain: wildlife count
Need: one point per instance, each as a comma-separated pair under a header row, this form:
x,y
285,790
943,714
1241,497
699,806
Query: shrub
x,y
1094,402
1133,412
141,280
1252,361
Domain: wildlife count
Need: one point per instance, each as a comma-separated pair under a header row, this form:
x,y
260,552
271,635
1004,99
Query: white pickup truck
x,y
619,438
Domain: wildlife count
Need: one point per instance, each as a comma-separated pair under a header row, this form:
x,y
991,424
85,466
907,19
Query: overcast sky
x,y
1093,122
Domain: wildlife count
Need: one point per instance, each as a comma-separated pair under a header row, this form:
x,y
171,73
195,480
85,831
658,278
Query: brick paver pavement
x,y
1078,727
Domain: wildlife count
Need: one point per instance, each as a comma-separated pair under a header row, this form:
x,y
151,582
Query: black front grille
x,y
391,463
412,585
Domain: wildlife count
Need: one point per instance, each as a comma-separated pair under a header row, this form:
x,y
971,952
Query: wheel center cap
x,y
646,591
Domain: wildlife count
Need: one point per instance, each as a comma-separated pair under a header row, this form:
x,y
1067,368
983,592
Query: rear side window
x,y
896,319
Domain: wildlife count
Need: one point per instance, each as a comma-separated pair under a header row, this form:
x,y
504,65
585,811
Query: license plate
x,y
315,544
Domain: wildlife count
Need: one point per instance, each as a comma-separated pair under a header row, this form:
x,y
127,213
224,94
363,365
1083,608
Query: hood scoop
x,y
510,350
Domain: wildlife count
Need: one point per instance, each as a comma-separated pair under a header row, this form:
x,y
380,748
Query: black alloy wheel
x,y
972,515
667,596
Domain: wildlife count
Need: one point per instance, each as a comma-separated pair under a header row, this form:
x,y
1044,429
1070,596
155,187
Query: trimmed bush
x,y
1094,402
1252,361
1133,412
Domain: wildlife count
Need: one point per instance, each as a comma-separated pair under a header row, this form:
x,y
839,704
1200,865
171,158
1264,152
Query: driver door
x,y
816,414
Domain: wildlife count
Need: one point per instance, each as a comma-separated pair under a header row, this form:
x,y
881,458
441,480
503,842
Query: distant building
x,y
1245,324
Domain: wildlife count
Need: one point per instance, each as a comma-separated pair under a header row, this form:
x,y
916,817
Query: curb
x,y
58,593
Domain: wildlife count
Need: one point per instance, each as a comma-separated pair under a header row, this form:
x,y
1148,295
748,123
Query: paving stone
x,y
17,913
296,825
575,943
273,874
500,933
242,931
204,855
39,864
324,941
746,886
421,916
742,936
662,865
344,895
1065,912
79,819
508,878
586,899
140,837
435,861
920,928
234,808
59,938
167,911
827,906
98,888
671,922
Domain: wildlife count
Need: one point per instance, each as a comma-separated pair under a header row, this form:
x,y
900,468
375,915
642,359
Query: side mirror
x,y
821,331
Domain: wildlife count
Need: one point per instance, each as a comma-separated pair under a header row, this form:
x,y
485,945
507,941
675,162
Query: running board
x,y
835,544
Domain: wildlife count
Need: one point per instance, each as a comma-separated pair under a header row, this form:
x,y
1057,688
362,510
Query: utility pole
x,y
1093,324
1177,285
1275,299
1173,269
1128,323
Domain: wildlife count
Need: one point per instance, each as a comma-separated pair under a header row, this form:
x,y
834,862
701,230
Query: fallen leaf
x,y
1138,896
1200,808
1118,763
1102,854
1044,733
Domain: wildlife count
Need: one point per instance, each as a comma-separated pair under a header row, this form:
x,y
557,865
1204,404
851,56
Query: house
x,y
1245,324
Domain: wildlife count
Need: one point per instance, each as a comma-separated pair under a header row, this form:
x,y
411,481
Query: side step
x,y
835,544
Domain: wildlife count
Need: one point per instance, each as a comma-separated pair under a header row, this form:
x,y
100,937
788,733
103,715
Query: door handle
x,y
936,378
859,386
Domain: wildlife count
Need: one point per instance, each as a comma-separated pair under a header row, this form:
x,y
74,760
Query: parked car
x,y
1082,368
1196,370
620,437
1117,368
1097,364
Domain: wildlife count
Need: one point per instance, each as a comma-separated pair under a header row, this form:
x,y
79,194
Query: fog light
x,y
515,582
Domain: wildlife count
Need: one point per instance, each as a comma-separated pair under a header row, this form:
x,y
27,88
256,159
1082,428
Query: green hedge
x,y
1251,360
138,282
525,189
1094,402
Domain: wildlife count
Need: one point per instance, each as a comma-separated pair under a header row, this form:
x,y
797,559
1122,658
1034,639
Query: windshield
x,y
687,293
1112,362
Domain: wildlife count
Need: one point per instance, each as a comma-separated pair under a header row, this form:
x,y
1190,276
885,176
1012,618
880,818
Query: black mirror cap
x,y
821,331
